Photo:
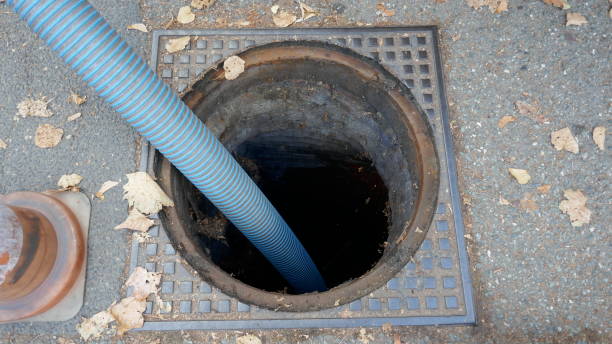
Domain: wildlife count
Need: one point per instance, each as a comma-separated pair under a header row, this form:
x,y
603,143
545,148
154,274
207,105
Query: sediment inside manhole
x,y
339,147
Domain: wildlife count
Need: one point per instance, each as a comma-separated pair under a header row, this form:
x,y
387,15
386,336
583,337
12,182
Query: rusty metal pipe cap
x,y
41,254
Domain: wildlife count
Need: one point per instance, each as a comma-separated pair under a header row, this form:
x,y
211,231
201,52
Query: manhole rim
x,y
403,248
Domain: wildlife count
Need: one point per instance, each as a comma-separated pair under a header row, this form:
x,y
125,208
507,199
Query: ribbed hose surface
x,y
79,34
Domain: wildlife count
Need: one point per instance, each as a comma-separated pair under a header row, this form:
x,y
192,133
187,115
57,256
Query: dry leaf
x,y
34,108
144,282
274,9
107,185
128,313
241,23
307,12
543,188
136,221
505,120
73,117
185,16
530,110
3,144
177,44
563,139
576,19
61,340
599,137
248,339
386,327
558,3
69,181
201,4
76,99
521,176
138,26
233,67
526,108
283,18
503,201
143,193
94,326
495,6
48,136
575,207
384,11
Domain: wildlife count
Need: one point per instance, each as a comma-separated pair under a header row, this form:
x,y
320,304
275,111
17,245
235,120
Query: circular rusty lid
x,y
68,260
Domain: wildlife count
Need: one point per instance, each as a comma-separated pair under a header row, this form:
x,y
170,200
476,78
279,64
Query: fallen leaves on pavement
x,y
69,181
282,18
384,11
495,6
138,26
73,117
532,111
503,201
558,3
136,221
201,4
575,207
61,340
599,137
34,107
575,19
564,140
248,339
185,16
177,44
48,136
505,120
107,185
233,67
144,282
525,108
143,193
521,176
307,12
3,144
128,312
543,188
76,99
93,327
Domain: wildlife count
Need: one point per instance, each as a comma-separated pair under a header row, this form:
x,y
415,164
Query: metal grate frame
x,y
433,289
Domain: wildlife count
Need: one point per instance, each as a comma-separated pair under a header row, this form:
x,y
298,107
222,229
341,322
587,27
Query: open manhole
x,y
338,145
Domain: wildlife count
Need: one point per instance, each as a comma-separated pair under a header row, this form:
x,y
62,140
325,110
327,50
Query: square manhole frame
x,y
147,155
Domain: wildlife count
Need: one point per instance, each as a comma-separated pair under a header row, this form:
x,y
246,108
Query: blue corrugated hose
x,y
79,34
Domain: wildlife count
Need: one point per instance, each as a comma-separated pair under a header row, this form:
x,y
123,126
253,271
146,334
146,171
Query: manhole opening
x,y
331,195
339,147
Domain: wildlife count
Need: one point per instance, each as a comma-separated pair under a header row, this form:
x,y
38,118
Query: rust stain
x,y
4,258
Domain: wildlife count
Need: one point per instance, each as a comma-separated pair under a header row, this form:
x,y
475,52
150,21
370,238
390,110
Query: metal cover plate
x,y
435,288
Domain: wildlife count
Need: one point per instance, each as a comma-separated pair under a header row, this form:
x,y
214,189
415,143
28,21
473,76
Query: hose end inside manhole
x,y
338,145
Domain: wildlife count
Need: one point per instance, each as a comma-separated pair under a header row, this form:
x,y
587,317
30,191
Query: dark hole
x,y
333,199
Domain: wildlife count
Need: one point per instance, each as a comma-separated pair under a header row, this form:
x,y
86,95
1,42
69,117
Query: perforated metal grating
x,y
434,288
